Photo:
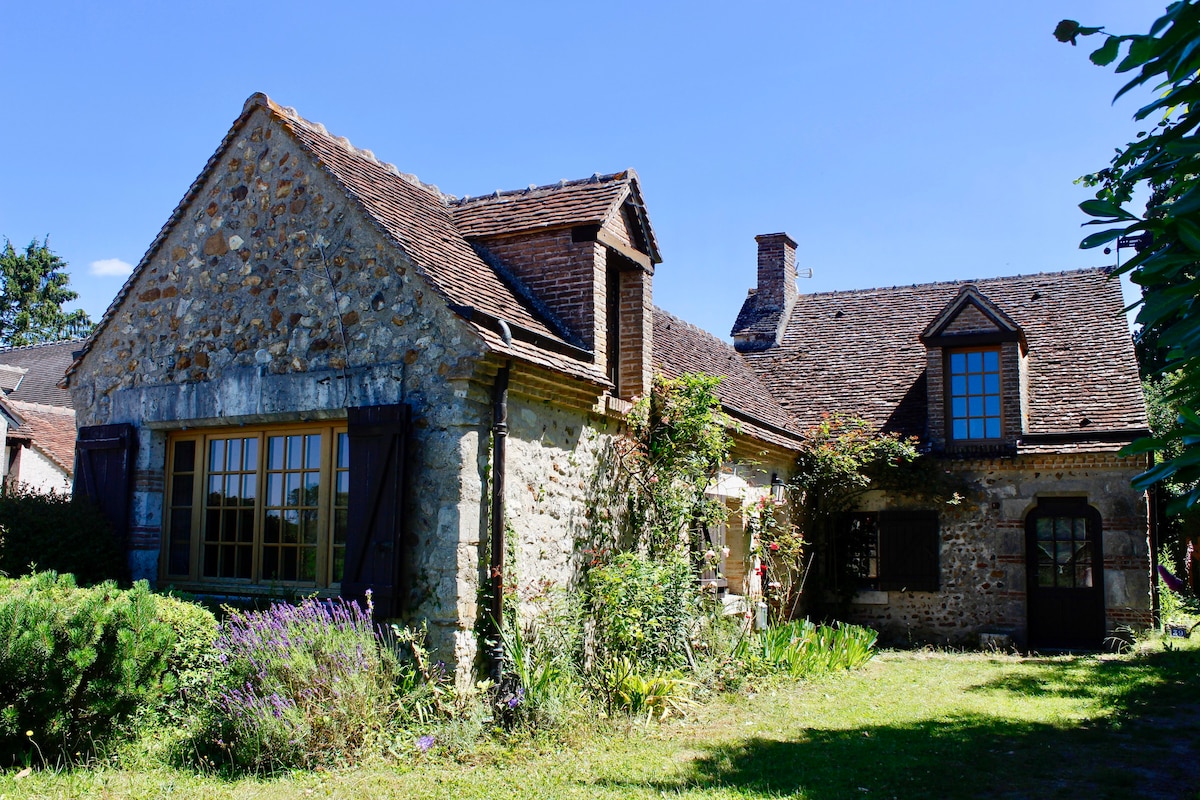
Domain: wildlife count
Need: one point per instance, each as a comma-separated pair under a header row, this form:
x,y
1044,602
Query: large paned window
x,y
974,394
258,506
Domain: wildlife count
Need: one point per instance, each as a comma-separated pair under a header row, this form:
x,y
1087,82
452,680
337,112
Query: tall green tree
x,y
33,289
1165,158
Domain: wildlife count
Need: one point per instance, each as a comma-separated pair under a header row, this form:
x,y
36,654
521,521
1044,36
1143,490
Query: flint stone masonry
x,y
561,493
982,556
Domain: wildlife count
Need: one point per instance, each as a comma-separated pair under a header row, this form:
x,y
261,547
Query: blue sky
x,y
896,142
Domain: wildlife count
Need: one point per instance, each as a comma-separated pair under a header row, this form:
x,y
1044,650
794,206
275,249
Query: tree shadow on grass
x,y
1146,748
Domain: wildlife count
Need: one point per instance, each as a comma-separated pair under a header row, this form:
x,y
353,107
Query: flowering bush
x,y
643,609
300,686
678,438
779,546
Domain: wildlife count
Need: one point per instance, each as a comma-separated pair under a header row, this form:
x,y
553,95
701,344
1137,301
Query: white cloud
x,y
107,267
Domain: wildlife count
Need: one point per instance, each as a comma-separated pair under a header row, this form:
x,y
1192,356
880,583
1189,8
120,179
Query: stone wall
x,y
982,557
562,491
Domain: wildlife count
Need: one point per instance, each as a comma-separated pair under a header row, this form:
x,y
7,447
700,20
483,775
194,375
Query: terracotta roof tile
x,y
51,429
859,352
680,347
559,205
417,218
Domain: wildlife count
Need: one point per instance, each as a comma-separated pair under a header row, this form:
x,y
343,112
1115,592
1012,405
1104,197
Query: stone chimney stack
x,y
776,272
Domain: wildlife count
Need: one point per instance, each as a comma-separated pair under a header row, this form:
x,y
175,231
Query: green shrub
x,y
622,686
57,533
192,660
644,610
300,686
801,649
75,664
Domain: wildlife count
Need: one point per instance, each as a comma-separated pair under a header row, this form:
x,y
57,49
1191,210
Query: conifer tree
x,y
33,288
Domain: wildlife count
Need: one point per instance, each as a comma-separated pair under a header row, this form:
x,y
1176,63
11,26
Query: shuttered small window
x,y
890,550
908,551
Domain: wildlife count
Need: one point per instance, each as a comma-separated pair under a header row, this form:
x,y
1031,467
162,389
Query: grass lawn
x,y
908,725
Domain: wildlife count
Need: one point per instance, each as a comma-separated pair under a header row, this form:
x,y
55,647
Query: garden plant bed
x,y
908,725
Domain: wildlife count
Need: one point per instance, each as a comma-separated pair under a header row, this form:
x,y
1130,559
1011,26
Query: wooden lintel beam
x,y
607,239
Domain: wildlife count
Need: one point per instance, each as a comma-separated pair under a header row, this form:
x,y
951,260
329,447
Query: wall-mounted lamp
x,y
776,487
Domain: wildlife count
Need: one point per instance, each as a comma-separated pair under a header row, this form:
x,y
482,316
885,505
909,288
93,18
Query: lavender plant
x,y
300,686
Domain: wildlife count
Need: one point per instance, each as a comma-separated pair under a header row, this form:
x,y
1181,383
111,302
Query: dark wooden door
x,y
1065,575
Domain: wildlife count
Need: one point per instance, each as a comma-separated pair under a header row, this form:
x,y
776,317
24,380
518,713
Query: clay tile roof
x,y
416,217
681,347
45,365
860,352
557,205
51,429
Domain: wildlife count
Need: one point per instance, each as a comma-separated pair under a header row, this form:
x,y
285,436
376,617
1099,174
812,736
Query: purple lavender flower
x,y
425,742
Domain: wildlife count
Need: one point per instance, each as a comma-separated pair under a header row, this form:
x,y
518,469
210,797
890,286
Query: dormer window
x,y
974,390
974,365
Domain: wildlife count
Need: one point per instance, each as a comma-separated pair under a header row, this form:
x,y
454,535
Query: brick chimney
x,y
776,272
764,315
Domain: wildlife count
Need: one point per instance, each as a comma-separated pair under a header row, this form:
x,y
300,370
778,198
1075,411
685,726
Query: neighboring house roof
x,y
42,412
417,218
49,429
44,366
680,347
860,352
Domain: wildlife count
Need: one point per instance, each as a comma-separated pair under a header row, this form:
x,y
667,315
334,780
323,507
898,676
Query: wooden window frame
x,y
327,506
948,394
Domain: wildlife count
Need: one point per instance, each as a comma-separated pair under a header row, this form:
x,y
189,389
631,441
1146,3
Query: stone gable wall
x,y
982,558
273,298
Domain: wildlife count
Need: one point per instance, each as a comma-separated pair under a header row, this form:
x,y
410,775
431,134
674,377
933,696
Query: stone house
x,y
38,419
1024,387
327,376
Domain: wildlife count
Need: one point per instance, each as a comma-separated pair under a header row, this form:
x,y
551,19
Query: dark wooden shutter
x,y
908,551
104,457
375,518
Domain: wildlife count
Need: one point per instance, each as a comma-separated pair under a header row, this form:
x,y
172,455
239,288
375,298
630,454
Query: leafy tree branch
x,y
1165,158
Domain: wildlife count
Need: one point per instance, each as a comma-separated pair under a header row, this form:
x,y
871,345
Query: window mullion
x,y
259,506
199,482
321,576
